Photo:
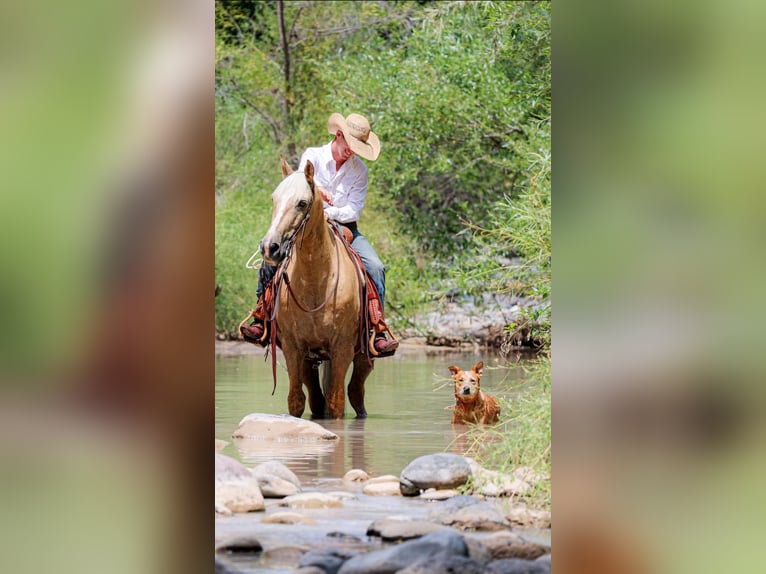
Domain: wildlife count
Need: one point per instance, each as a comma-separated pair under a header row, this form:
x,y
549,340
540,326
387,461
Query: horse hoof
x,y
362,415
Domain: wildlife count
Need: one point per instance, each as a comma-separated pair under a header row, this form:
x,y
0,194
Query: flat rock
x,y
239,544
390,560
433,494
518,566
529,518
439,471
468,513
511,545
402,528
328,560
287,518
312,500
282,428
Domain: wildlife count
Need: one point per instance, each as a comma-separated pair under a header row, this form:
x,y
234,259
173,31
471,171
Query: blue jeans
x,y
372,264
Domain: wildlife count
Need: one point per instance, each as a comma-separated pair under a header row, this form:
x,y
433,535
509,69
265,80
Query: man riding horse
x,y
341,179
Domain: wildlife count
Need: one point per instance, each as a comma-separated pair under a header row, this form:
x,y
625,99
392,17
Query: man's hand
x,y
326,195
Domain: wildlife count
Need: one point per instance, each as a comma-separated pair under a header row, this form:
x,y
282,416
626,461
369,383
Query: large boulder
x,y
282,428
236,489
436,545
439,471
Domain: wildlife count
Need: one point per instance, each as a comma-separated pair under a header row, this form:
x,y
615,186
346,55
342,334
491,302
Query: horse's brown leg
x,y
335,392
316,398
296,399
362,370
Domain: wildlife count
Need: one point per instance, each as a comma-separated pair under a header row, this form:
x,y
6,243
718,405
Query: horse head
x,y
292,199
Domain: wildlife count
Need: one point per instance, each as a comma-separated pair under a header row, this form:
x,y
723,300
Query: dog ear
x,y
286,169
478,368
308,171
454,370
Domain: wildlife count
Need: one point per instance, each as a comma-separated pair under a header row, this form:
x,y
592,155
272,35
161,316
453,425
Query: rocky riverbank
x,y
442,513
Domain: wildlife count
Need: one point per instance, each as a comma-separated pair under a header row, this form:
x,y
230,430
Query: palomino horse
x,y
318,299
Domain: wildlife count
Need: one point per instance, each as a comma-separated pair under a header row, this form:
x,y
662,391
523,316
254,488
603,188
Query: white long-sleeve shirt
x,y
348,185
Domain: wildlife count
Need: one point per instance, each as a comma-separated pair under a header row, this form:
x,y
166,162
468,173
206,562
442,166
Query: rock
x,y
220,445
440,471
517,566
239,544
445,565
223,567
433,494
545,558
382,489
329,560
287,518
493,483
511,545
390,560
308,570
529,518
276,480
530,475
401,528
355,475
468,513
281,427
236,489
383,479
312,500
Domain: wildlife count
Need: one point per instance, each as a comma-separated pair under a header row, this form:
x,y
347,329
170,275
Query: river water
x,y
407,399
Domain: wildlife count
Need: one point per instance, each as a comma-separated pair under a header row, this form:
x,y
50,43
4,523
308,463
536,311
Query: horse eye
x,y
302,204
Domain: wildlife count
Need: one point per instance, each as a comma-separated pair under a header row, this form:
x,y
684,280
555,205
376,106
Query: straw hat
x,y
356,130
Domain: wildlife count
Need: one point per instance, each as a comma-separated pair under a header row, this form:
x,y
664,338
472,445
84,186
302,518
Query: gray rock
x,y
312,500
439,471
390,560
329,560
393,529
545,558
511,545
382,489
355,475
468,513
518,566
276,480
223,567
308,570
445,565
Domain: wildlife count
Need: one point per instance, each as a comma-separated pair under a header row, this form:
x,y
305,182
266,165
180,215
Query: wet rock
x,y
445,565
433,494
402,528
529,518
223,567
382,488
239,544
440,471
355,475
517,566
308,570
287,518
281,427
236,489
312,500
477,550
344,536
276,480
328,560
384,478
511,545
390,560
468,513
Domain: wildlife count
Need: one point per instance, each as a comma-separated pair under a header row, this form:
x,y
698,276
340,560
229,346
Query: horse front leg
x,y
296,399
335,393
316,398
362,370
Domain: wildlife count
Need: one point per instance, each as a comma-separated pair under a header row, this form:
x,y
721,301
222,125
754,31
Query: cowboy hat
x,y
356,130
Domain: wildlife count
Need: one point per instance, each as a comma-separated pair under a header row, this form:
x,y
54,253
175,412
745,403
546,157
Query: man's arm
x,y
357,196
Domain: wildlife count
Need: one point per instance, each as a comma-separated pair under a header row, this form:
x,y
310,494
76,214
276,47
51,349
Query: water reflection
x,y
408,398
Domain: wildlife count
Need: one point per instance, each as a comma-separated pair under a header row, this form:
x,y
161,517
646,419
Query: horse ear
x,y
286,169
309,173
478,368
454,370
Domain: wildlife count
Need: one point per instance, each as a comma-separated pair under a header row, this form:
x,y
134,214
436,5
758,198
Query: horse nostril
x,y
273,249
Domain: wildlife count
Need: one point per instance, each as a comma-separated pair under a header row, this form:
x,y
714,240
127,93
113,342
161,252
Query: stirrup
x,y
371,344
263,340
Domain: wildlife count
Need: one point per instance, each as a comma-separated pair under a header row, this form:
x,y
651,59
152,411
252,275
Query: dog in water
x,y
471,404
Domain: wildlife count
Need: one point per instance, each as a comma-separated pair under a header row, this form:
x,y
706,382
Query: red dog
x,y
472,405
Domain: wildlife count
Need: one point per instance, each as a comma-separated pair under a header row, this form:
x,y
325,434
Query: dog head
x,y
467,383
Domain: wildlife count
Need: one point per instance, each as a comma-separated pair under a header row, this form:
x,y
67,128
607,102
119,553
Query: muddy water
x,y
407,400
